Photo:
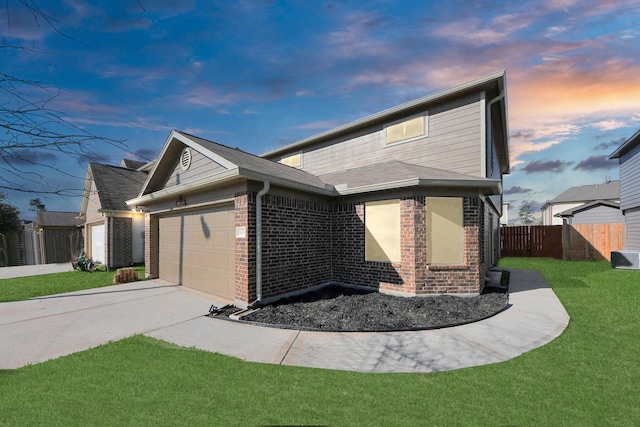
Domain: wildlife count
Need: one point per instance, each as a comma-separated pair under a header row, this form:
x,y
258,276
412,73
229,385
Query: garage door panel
x,y
201,241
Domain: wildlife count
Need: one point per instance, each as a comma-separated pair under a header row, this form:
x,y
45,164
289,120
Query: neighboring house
x,y
56,233
405,201
628,155
597,212
579,196
114,234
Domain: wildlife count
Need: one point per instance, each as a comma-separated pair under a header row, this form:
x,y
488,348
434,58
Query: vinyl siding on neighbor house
x,y
598,215
632,218
630,179
93,204
201,166
453,143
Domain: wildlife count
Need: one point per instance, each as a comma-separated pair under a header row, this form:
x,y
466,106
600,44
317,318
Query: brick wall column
x,y
245,252
151,250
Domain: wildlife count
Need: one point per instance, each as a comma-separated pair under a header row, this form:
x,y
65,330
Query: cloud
x,y
610,145
596,163
537,139
94,158
536,206
355,38
605,125
551,166
128,24
29,157
517,190
146,154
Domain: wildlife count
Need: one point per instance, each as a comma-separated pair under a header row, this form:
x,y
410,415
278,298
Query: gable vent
x,y
185,159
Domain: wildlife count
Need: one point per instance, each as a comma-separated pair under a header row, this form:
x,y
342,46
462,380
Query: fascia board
x,y
157,163
211,155
175,135
86,193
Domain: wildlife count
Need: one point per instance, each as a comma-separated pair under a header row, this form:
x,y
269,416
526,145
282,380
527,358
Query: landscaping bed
x,y
336,308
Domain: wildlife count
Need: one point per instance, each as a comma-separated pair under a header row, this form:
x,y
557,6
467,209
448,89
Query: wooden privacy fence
x,y
570,241
592,241
531,241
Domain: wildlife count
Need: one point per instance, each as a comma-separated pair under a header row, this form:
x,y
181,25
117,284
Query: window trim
x,y
425,133
292,155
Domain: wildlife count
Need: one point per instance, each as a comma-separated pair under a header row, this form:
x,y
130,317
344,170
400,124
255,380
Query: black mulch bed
x,y
336,308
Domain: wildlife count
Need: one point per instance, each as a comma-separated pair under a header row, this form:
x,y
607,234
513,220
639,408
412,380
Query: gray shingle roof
x,y
609,190
57,219
131,164
394,171
115,185
251,162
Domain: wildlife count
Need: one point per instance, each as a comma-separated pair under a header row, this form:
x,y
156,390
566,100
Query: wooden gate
x,y
531,241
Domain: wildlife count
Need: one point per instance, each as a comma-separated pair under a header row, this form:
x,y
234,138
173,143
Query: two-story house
x,y
405,201
628,155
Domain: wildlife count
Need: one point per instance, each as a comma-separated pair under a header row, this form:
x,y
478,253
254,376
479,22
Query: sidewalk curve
x,y
44,328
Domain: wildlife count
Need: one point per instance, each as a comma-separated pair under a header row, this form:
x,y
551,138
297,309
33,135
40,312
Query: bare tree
x,y
30,128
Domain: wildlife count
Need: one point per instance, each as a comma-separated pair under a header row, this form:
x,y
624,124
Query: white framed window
x,y
382,230
407,129
293,160
445,230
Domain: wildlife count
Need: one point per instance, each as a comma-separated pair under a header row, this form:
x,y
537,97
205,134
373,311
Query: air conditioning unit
x,y
625,260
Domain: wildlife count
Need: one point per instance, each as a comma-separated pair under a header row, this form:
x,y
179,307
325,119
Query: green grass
x,y
22,288
586,377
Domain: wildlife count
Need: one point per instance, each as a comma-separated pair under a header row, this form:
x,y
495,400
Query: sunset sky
x,y
260,74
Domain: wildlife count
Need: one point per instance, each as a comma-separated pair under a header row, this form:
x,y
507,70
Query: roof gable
x,y
219,163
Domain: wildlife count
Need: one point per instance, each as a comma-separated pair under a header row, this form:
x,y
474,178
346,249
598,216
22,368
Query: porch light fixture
x,y
181,202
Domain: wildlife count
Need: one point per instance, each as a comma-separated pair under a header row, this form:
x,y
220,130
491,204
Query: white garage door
x,y
197,249
97,243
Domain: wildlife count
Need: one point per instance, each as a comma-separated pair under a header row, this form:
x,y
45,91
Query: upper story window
x,y
406,130
294,160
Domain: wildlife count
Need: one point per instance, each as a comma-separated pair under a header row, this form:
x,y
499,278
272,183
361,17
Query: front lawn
x,y
22,288
586,377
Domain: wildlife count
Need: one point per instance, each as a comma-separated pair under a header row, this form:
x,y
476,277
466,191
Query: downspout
x,y
265,190
489,105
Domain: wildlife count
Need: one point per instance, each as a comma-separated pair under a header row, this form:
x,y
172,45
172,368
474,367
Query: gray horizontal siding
x,y
598,215
453,143
632,219
201,166
630,179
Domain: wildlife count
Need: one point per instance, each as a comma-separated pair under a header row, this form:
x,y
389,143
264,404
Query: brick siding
x,y
310,242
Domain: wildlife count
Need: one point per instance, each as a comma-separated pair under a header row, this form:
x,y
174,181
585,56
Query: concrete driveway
x,y
44,328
